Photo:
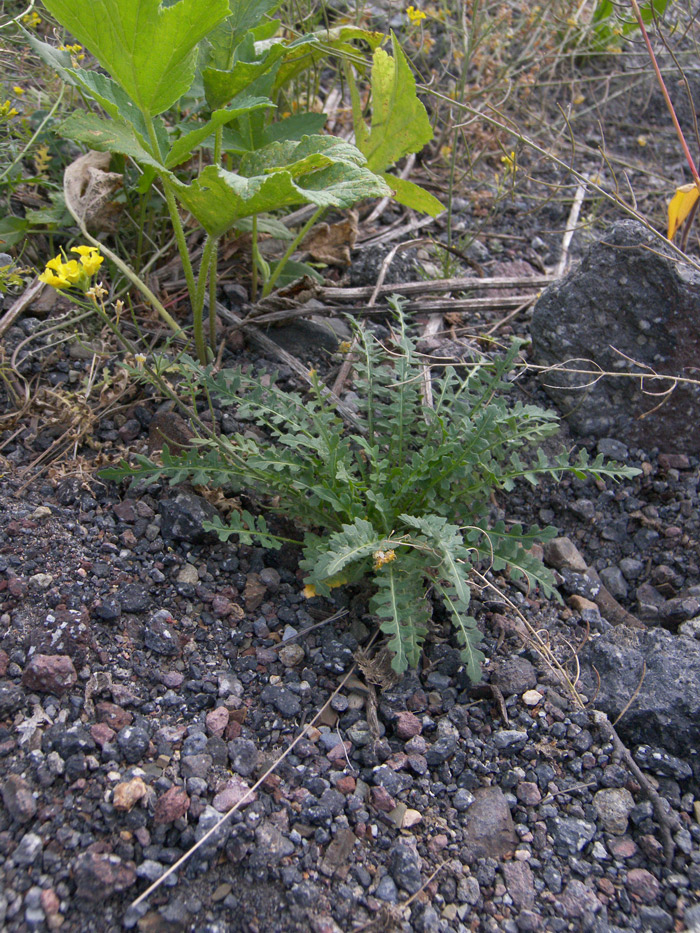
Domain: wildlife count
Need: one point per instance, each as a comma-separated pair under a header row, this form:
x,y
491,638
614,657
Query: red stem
x,y
662,85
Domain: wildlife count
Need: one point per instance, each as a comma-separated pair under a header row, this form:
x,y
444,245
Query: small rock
x,y
243,756
99,876
516,675
134,597
642,885
407,725
173,805
382,800
28,849
577,900
285,702
520,884
50,673
571,834
405,868
188,574
217,720
160,636
531,698
183,518
291,655
127,794
563,553
528,793
489,831
233,793
40,581
614,582
133,742
411,818
11,698
613,806
18,799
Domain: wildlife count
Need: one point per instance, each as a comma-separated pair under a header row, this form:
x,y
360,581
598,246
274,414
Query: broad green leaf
x,y
222,84
149,49
400,122
184,146
413,196
680,205
329,42
12,230
295,127
327,177
106,136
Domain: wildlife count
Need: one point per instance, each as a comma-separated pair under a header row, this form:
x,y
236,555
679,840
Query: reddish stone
x,y
102,733
233,730
624,847
606,886
437,843
171,806
221,606
528,793
99,876
674,462
339,752
217,720
50,673
407,725
17,586
346,784
172,679
397,761
652,847
382,800
128,538
50,903
642,885
520,884
235,792
113,715
125,511
4,661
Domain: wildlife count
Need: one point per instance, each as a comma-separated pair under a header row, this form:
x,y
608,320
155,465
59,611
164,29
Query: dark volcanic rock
x,y
631,294
666,710
183,518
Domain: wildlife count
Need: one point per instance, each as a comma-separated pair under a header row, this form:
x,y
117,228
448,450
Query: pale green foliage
x,y
405,497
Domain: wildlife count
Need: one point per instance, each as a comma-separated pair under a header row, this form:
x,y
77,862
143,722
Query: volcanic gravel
x,y
149,675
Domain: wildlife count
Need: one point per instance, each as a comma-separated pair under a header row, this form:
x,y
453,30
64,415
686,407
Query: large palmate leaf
x,y
149,49
219,198
400,122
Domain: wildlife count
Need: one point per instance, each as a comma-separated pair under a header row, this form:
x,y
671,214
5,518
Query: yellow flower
x,y
62,273
309,591
7,111
89,257
32,20
381,558
641,140
509,161
415,16
18,90
345,346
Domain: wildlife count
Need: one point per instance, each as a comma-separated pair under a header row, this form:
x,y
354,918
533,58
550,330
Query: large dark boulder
x,y
665,668
629,294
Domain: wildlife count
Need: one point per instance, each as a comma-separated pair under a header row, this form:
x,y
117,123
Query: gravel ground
x,y
149,676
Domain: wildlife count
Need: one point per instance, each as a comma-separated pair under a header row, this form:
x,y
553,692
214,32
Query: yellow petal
x,y
309,591
680,206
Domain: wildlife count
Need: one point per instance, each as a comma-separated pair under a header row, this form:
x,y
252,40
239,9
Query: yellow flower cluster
x,y
381,558
62,273
32,19
415,15
7,111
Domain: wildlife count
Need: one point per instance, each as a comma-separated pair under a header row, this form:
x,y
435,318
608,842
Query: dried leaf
x,y
331,243
90,190
680,206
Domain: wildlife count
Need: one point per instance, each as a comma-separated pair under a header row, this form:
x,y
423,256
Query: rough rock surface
x,y
662,672
628,293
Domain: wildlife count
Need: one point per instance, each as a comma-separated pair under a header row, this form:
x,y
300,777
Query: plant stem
x,y
208,253
212,296
269,285
664,91
254,256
